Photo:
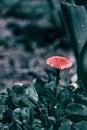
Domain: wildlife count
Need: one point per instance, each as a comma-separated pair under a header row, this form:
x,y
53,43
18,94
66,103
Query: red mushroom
x,y
58,63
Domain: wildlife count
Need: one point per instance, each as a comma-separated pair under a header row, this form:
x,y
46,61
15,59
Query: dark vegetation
x,y
30,32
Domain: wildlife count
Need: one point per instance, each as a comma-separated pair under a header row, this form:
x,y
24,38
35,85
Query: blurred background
x,y
30,32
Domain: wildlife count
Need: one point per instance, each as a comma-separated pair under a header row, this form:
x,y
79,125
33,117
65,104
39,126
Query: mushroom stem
x,y
57,72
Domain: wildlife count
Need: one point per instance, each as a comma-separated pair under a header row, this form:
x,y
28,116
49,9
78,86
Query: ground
x,y
22,64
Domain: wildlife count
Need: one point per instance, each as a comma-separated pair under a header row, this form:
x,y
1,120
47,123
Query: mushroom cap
x,y
59,62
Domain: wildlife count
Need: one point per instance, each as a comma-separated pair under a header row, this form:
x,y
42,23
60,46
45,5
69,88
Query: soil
x,y
21,63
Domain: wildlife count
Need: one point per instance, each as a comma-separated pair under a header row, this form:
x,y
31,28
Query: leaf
x,y
50,96
51,85
39,85
10,103
26,101
19,89
76,109
18,98
12,99
76,23
7,116
65,125
65,96
81,2
27,127
43,112
32,94
2,105
15,126
24,96
82,68
27,115
16,115
37,124
80,125
81,98
5,127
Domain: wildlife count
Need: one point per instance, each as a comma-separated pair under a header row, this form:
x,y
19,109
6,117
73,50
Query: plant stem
x,y
57,72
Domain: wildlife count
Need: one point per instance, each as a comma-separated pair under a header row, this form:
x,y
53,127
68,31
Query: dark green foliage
x,y
66,125
76,24
36,107
80,126
81,2
76,109
82,68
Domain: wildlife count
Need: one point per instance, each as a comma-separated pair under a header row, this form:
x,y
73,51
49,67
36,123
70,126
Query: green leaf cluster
x,y
36,107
